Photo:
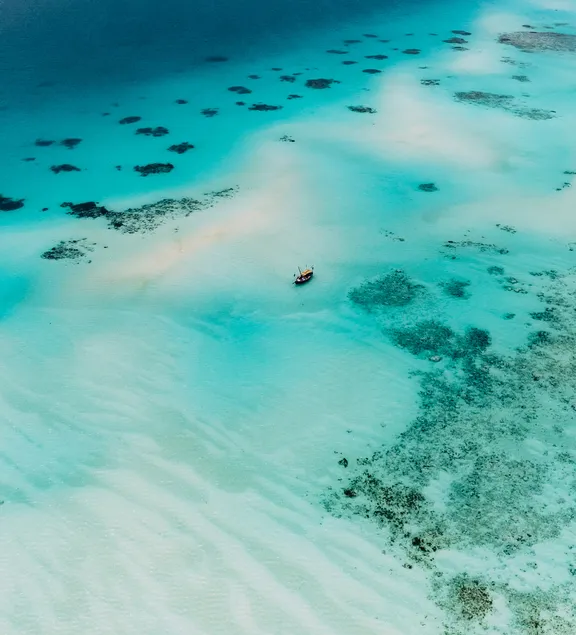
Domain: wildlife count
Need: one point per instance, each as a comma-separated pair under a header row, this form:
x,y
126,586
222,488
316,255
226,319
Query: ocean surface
x,y
191,444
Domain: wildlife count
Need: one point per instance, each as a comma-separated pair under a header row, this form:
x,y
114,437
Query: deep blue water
x,y
80,42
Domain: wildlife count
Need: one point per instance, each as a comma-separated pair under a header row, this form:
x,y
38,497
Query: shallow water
x,y
191,444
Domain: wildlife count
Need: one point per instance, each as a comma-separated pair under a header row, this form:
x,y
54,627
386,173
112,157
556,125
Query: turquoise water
x,y
191,444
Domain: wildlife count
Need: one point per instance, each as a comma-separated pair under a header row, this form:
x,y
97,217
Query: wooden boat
x,y
305,276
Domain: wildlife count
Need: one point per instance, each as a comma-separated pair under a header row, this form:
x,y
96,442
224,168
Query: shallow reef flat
x,y
190,443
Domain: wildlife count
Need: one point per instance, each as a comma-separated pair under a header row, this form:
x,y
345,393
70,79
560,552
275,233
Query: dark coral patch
x,y
240,90
458,32
362,109
287,78
181,101
371,71
209,112
70,143
159,131
456,40
68,250
430,82
395,289
456,288
216,58
131,119
294,97
240,103
89,209
352,41
43,143
427,187
253,76
154,168
369,35
181,148
28,159
337,52
411,51
537,41
320,83
264,107
8,204
349,62
376,57
64,167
